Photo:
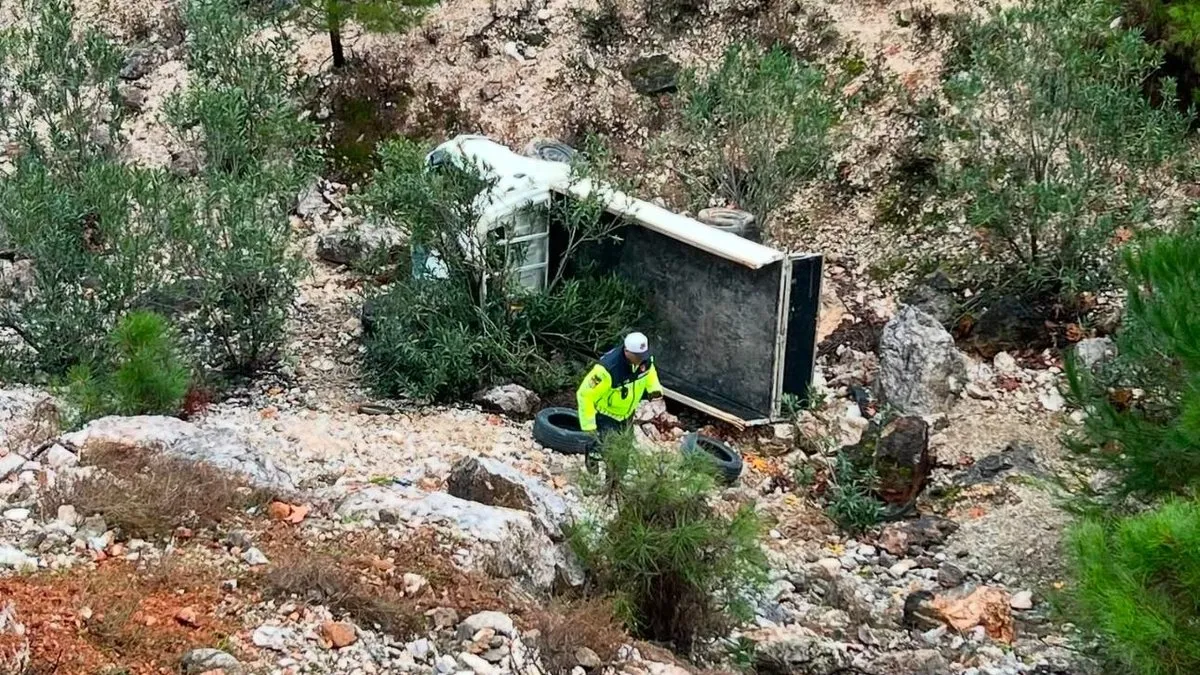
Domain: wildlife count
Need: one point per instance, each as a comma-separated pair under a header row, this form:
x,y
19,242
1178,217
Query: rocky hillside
x,y
301,525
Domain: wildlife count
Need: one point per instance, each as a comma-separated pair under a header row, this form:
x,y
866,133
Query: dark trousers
x,y
605,425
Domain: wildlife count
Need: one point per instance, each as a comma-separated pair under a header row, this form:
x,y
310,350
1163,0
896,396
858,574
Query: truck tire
x,y
733,221
726,460
558,430
550,150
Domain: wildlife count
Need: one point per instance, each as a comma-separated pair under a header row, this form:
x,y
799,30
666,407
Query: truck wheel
x,y
727,460
558,429
550,150
733,221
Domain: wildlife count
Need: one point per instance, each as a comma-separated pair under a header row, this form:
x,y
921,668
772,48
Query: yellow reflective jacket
x,y
614,387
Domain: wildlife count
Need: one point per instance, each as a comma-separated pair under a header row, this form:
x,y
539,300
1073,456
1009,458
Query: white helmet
x,y
636,343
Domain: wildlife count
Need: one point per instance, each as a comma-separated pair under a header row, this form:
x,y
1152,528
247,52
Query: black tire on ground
x,y
558,429
727,460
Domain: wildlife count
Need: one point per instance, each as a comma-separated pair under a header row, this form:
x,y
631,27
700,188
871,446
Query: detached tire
x,y
727,460
734,221
558,429
550,150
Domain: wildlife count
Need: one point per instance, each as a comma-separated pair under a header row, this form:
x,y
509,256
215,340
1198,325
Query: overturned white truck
x,y
737,319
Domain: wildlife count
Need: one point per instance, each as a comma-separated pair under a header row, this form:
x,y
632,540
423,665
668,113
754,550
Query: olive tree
x,y
1048,138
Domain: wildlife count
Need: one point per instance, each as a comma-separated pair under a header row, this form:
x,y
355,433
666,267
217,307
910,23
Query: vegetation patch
x,y
145,374
148,495
473,323
363,577
1045,147
118,618
678,569
205,246
1138,587
756,129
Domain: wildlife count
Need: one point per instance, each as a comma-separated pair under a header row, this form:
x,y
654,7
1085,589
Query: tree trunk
x,y
335,44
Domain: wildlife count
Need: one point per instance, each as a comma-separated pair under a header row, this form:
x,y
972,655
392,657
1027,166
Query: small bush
x,y
148,496
564,628
362,576
1048,133
850,500
1152,442
1137,584
326,580
759,126
144,374
104,237
679,569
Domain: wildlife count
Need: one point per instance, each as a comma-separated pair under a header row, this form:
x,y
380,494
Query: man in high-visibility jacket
x,y
612,389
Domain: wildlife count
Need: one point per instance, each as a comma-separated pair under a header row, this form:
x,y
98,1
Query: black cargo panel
x,y
718,321
804,304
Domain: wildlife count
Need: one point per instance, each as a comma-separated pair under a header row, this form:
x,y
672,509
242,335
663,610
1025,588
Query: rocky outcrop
x,y
794,649
494,483
1094,351
652,75
365,241
1016,457
28,419
200,661
916,536
509,398
920,369
219,447
902,459
509,543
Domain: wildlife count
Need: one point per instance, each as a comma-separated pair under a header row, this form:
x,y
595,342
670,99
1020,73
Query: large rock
x,y
311,200
1016,457
935,295
914,536
17,279
10,464
509,543
1095,351
651,75
16,559
509,398
794,649
28,419
492,482
219,447
199,661
137,65
368,241
902,459
920,369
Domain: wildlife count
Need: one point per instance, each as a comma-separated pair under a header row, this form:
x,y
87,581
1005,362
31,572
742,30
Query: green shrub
x,y
1047,132
1137,584
60,96
377,16
850,500
759,127
681,571
143,373
1152,442
105,238
1174,25
432,340
443,338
